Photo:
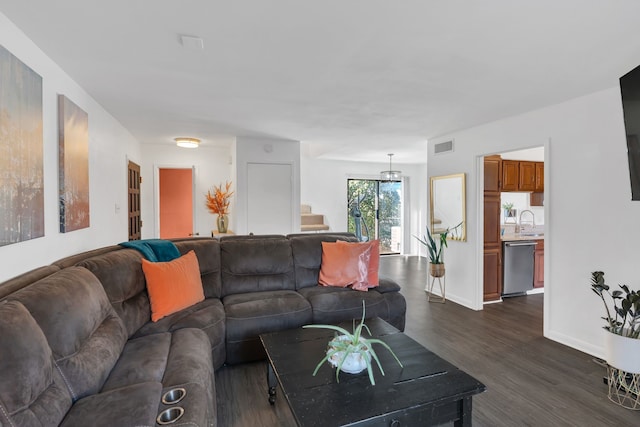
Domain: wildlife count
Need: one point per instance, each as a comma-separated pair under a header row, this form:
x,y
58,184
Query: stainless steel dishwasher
x,y
518,267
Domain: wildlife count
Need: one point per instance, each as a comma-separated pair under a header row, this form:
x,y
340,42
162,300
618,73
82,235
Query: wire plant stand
x,y
624,388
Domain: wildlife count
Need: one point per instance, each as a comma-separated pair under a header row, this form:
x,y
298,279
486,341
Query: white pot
x,y
354,363
622,352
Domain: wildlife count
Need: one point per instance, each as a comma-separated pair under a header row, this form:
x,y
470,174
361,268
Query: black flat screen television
x,y
630,89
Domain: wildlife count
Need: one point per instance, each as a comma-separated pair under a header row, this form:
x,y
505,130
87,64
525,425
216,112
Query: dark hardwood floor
x,y
531,381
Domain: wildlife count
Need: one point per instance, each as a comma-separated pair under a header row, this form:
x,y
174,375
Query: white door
x,y
270,198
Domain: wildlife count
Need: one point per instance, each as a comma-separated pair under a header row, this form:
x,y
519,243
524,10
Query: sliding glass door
x,y
375,211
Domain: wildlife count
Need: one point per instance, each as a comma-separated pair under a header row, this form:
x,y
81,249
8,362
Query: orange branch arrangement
x,y
218,200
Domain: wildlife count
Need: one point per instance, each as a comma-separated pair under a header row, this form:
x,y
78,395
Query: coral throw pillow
x,y
344,265
374,260
173,285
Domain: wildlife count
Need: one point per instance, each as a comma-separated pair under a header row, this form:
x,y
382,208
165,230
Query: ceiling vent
x,y
443,147
191,43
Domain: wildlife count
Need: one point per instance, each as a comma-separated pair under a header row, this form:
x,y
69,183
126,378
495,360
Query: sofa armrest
x,y
387,285
135,405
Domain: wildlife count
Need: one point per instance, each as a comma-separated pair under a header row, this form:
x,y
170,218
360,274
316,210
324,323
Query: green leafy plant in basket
x,y
342,346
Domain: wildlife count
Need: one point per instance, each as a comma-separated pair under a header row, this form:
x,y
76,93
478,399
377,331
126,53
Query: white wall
x,y
212,167
266,151
110,145
324,187
591,223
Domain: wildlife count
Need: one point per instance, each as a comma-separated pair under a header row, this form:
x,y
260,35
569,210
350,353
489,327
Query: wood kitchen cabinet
x,y
510,175
492,174
492,274
492,280
536,199
538,265
521,175
526,176
539,187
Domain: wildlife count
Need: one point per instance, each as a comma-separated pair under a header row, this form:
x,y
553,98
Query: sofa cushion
x,y
85,334
25,279
251,314
333,305
173,285
32,392
256,265
208,253
207,315
137,404
172,358
120,273
307,255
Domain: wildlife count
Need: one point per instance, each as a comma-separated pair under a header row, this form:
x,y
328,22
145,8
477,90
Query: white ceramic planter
x,y
622,352
354,363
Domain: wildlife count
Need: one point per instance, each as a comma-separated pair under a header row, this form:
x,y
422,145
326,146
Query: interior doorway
x,y
133,204
175,213
513,202
375,212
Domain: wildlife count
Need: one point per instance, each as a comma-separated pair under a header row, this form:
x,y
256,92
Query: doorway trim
x,y
156,194
548,229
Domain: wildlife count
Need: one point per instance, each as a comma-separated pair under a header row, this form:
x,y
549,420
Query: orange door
x,y
176,203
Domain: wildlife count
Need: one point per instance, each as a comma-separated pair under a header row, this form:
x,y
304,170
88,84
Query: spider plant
x,y
353,343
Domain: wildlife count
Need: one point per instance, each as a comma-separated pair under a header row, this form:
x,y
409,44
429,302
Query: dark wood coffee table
x,y
427,391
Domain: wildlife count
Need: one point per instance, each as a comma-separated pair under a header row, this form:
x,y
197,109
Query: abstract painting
x,y
73,172
21,171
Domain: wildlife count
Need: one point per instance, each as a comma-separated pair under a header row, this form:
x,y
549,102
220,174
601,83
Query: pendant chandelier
x,y
390,175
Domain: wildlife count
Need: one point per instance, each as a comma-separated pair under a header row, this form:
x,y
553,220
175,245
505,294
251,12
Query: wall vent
x,y
443,147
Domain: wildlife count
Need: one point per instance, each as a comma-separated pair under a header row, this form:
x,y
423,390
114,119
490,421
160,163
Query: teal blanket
x,y
154,250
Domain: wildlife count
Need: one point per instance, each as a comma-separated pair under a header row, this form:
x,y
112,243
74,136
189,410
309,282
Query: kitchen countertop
x,y
517,237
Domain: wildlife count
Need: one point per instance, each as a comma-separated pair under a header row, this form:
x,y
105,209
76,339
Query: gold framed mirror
x,y
447,205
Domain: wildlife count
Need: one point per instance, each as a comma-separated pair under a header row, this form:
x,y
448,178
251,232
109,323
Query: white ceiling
x,y
352,79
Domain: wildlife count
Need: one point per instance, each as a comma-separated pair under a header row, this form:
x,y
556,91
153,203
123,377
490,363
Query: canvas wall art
x,y
21,171
74,165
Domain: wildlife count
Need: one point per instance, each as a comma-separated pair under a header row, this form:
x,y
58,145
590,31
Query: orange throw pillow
x,y
344,265
374,260
173,285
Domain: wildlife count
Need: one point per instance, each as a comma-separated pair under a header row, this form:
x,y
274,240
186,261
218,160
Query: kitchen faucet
x,y
533,219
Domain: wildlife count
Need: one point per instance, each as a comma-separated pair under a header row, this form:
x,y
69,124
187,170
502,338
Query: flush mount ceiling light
x,y
390,175
187,142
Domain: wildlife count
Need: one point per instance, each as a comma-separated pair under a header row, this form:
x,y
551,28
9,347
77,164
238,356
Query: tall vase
x,y
223,223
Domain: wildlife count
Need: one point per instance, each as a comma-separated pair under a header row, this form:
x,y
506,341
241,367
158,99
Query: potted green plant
x,y
351,352
436,268
509,212
622,343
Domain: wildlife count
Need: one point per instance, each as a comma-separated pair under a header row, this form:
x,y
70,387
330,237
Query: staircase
x,y
310,221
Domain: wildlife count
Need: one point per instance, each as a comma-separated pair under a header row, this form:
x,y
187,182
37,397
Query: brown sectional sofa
x,y
84,351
